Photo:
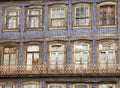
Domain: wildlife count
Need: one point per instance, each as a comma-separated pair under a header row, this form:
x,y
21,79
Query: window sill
x,y
76,27
34,29
11,30
111,26
57,28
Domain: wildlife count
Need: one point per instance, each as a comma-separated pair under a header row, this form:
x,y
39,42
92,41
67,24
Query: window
x,y
31,84
56,86
107,14
107,54
33,55
34,19
8,85
58,17
106,85
81,54
57,54
81,86
11,18
82,15
10,54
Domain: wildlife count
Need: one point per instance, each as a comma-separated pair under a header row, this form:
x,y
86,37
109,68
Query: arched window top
x,y
33,48
81,46
107,45
11,7
34,6
107,3
57,46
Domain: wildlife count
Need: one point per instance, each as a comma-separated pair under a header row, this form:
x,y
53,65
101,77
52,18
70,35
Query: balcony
x,y
59,70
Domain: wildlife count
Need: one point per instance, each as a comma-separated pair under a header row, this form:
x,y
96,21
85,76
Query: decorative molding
x,y
63,36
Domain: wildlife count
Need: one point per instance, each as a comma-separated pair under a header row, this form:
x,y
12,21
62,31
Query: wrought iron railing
x,y
65,70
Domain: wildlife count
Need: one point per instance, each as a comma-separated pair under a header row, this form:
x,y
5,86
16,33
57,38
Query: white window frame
x,y
56,85
9,55
113,85
17,16
81,84
40,16
88,17
57,52
79,65
64,18
113,48
37,83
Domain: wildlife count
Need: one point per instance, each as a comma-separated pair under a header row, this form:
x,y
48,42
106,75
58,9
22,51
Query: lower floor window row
x,y
77,85
81,53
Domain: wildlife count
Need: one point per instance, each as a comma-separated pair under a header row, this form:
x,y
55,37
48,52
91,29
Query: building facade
x,y
60,44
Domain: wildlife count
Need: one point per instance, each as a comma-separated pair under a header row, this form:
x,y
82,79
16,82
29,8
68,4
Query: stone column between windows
x,y
94,59
44,52
68,52
21,54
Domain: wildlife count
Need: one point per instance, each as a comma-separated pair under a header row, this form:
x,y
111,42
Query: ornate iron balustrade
x,y
60,70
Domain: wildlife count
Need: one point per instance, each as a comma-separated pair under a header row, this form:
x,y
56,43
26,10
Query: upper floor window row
x,y
58,16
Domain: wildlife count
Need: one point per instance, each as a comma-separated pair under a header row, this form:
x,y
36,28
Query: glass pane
x,y
29,58
30,86
52,58
111,86
7,86
60,58
9,50
107,46
103,86
57,22
80,86
6,59
32,48
77,57
82,11
36,58
55,86
58,12
79,47
34,21
107,15
12,13
84,59
12,22
111,57
12,59
35,11
82,21
57,47
102,58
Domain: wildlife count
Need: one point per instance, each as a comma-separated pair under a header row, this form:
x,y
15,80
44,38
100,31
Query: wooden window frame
x,y
49,17
107,41
4,18
56,42
13,83
116,13
2,46
82,42
27,16
90,15
25,52
31,82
